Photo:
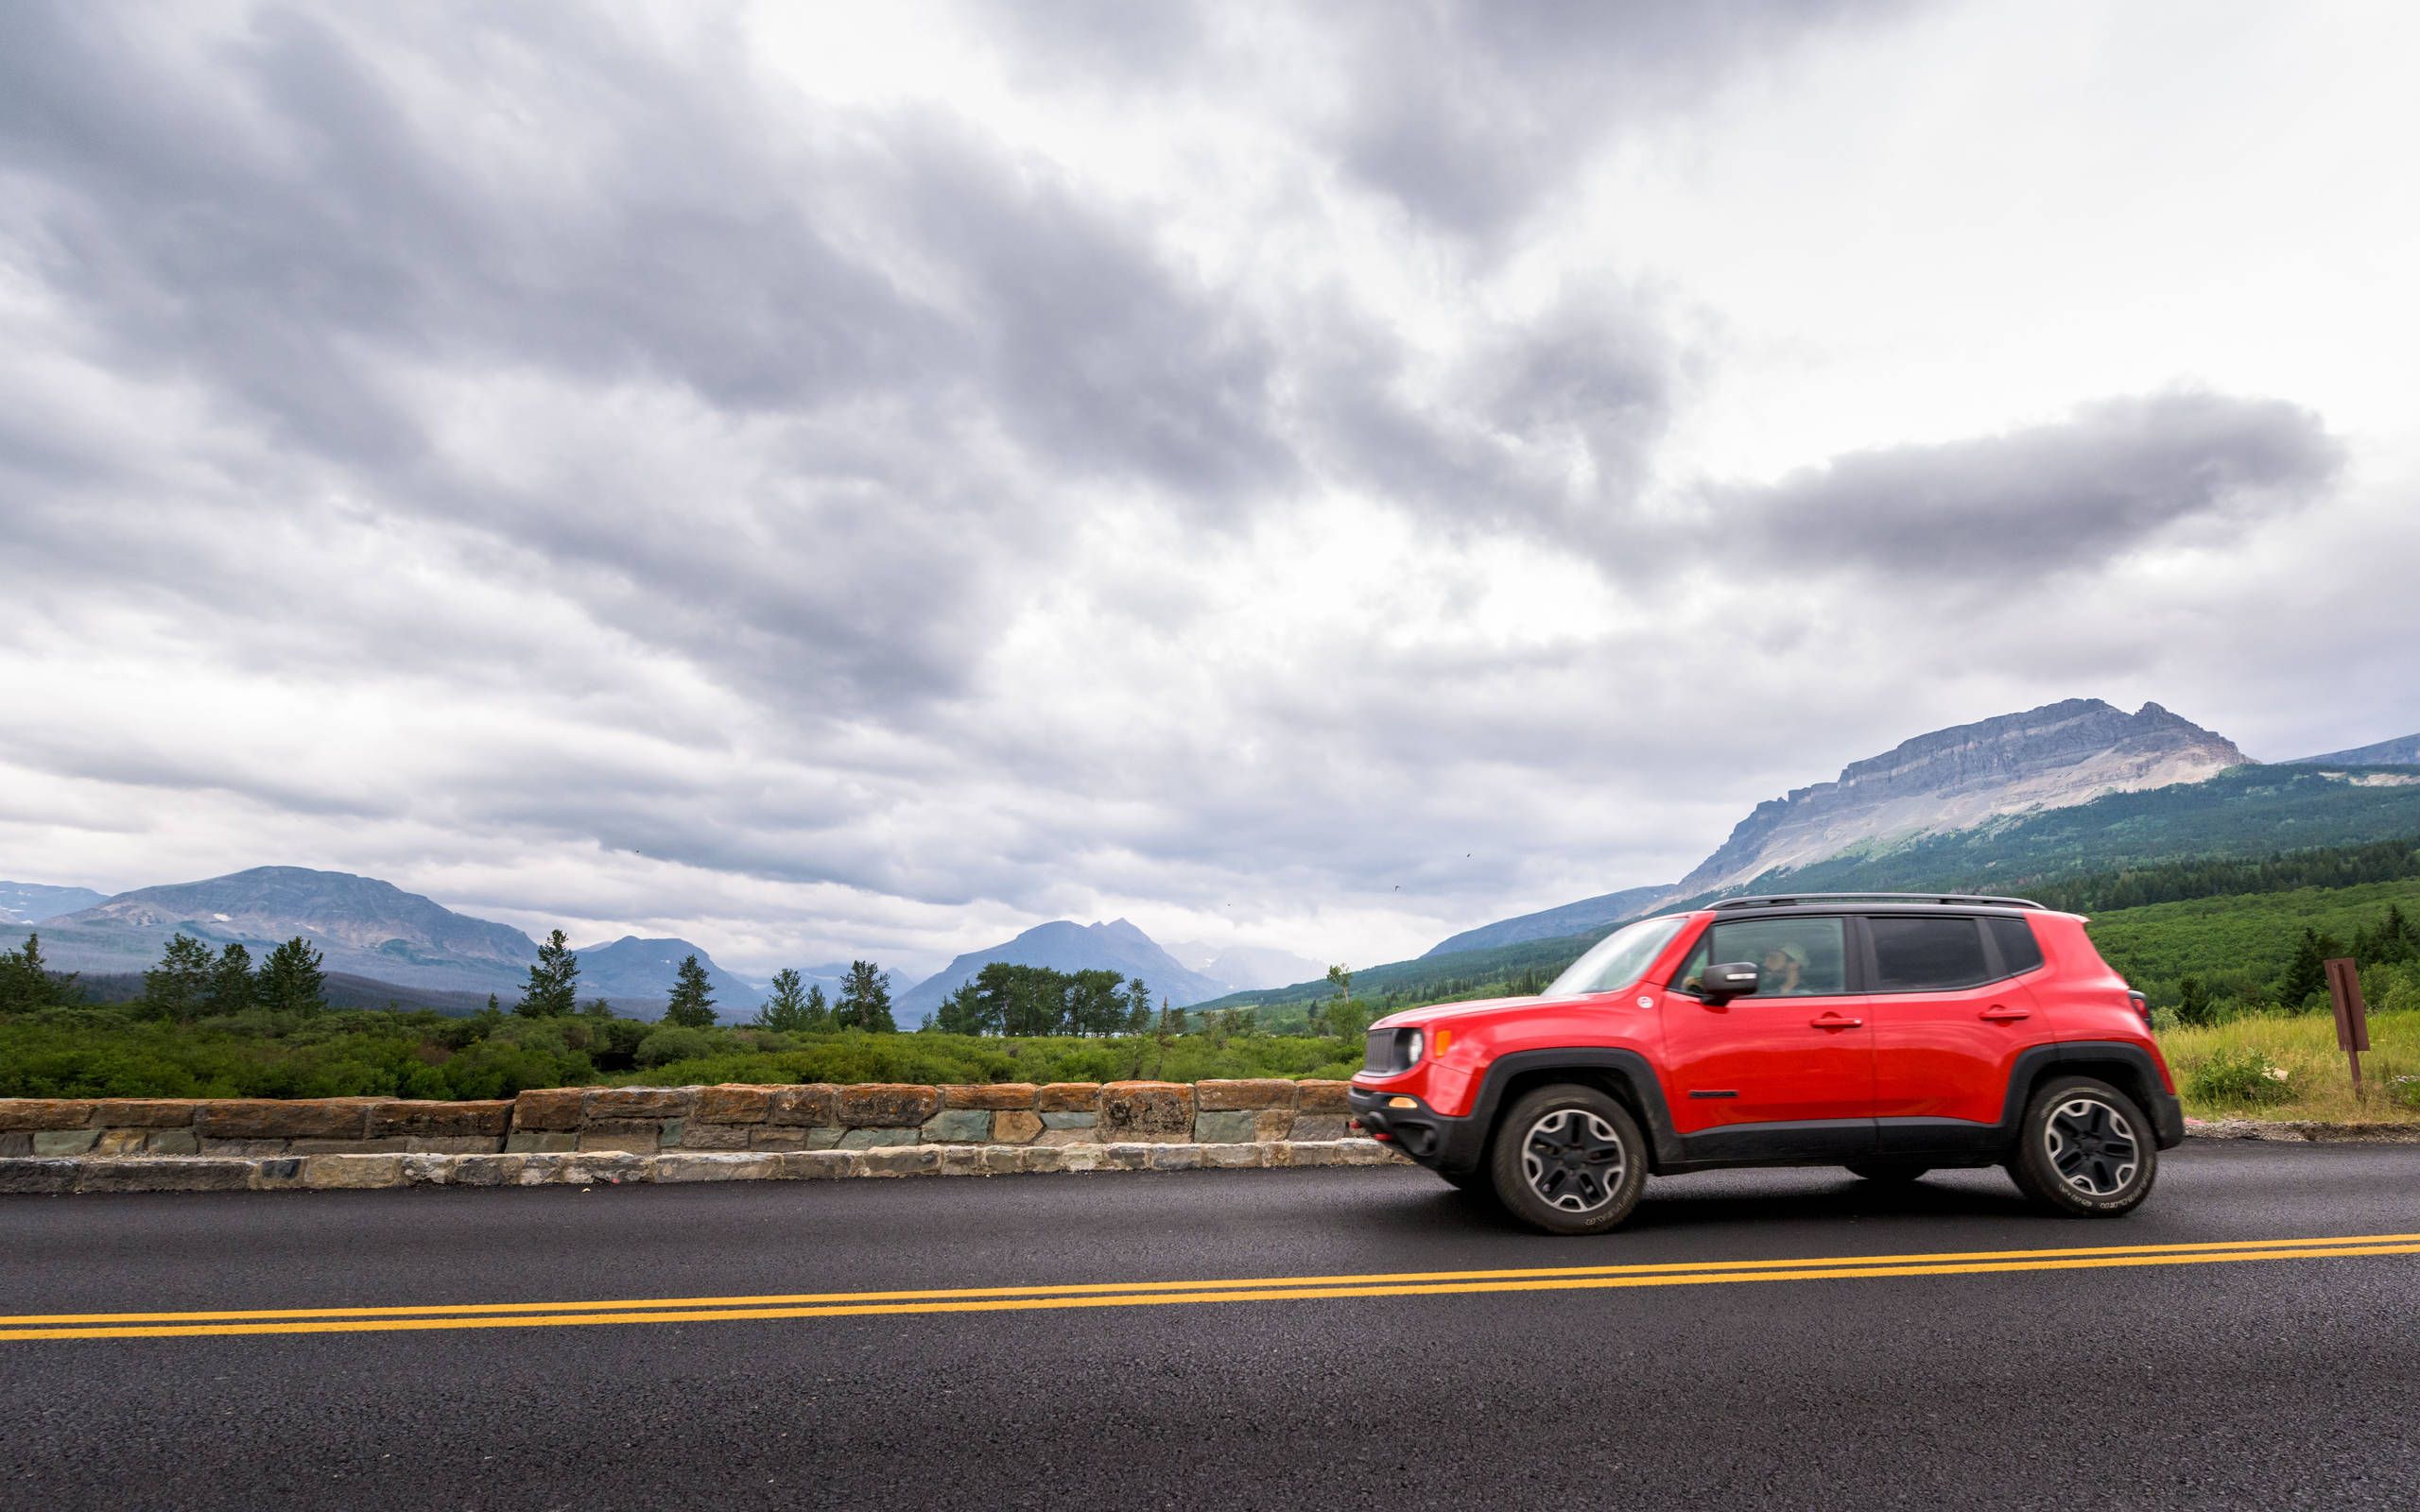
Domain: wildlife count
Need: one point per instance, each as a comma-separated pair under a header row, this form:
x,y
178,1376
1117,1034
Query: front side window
x,y
1619,960
1794,957
1927,954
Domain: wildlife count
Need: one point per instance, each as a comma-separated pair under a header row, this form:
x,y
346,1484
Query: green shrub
x,y
673,1043
2245,1076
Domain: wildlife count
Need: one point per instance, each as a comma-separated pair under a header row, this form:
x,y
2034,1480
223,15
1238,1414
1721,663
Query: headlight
x,y
1413,1045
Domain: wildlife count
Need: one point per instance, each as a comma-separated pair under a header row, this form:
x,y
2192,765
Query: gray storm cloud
x,y
2115,473
557,454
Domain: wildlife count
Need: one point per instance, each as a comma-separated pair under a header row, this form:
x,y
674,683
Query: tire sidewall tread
x,y
1511,1187
2031,1168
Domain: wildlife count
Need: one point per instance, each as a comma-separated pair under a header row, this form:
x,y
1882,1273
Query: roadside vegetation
x,y
2234,980
2271,1066
211,1026
110,1051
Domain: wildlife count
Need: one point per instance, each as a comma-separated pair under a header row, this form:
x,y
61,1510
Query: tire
x,y
1569,1159
1887,1173
2084,1149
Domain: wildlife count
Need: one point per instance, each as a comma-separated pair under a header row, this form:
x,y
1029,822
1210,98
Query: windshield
x,y
1619,960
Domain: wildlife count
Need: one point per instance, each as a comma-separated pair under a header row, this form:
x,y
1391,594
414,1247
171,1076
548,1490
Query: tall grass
x,y
2233,1070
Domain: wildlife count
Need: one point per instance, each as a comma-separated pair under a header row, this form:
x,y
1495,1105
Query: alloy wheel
x,y
2092,1147
1573,1160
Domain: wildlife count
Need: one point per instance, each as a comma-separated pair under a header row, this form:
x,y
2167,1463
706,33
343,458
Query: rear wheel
x,y
1887,1172
2084,1149
1569,1159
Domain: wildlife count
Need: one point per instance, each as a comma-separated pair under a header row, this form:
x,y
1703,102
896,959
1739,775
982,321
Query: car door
x,y
1949,1017
1785,1073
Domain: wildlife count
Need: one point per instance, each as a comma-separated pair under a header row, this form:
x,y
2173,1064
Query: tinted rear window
x,y
1925,955
2020,950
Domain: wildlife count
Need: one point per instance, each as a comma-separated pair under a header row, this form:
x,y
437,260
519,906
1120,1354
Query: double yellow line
x,y
33,1326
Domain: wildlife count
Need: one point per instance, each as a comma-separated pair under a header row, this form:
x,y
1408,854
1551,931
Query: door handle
x,y
1833,1021
1998,1014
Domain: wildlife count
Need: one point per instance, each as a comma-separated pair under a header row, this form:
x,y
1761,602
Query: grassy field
x,y
2290,1067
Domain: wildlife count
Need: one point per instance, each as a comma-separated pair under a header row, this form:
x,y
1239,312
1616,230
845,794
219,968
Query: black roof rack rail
x,y
1955,900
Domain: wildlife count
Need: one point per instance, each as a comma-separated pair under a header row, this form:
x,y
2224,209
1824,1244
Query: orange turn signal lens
x,y
1443,1037
1402,1102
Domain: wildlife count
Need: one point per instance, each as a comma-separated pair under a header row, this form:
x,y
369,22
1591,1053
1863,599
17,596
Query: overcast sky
x,y
866,479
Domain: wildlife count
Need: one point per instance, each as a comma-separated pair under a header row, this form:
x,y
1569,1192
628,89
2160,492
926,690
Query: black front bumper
x,y
2167,1119
1435,1140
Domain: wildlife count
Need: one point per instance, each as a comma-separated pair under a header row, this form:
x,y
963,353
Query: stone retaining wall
x,y
653,1120
277,1173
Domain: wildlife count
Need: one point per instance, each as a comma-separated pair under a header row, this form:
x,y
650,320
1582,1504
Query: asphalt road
x,y
2270,1382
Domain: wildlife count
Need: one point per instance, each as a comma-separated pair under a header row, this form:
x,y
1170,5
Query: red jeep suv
x,y
1892,1034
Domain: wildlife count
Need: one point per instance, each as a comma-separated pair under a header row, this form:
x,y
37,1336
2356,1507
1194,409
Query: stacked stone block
x,y
590,1136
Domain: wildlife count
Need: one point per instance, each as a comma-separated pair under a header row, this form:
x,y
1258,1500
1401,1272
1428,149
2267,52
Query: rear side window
x,y
2019,950
1927,954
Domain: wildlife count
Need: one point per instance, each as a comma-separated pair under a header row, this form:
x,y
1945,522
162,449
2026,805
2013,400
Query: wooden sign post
x,y
2352,1014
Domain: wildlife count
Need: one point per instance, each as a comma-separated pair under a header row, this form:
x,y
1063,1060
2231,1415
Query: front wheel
x,y
2084,1149
1569,1159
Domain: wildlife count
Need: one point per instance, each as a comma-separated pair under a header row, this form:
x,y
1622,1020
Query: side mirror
x,y
1735,979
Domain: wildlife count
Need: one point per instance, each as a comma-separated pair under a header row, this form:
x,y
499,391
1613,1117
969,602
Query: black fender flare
x,y
2033,1065
1629,1068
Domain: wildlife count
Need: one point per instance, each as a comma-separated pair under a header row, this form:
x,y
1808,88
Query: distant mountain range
x,y
368,931
2402,751
2045,792
630,970
2004,803
1956,779
30,902
1066,946
1598,913
1242,967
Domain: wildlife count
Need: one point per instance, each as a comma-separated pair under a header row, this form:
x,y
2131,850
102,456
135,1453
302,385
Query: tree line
x,y
189,981
793,1006
1034,1001
2392,941
2167,881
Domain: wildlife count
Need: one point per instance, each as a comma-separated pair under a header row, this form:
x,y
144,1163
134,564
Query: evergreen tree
x,y
819,1010
865,999
2392,942
2193,1002
785,1009
231,988
692,1006
27,982
1138,1008
1094,1004
2307,973
179,985
291,981
553,990
961,1012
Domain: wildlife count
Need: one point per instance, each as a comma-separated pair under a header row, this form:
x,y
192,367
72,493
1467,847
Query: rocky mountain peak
x,y
2050,757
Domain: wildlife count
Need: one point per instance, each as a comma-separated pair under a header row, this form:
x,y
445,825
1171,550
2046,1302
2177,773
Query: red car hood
x,y
1450,1012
